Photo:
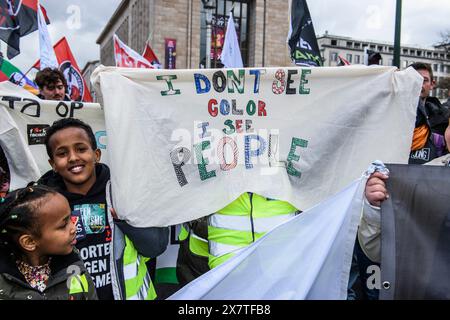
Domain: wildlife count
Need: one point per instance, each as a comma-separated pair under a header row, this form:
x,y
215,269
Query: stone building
x,y
332,46
262,28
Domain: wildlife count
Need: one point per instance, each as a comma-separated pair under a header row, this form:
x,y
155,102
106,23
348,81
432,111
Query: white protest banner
x,y
185,143
32,115
307,257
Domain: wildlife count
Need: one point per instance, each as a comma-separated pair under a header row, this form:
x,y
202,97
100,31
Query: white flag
x,y
305,258
231,54
48,57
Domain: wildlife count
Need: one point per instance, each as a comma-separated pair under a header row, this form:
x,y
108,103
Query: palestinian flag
x,y
77,88
18,18
9,72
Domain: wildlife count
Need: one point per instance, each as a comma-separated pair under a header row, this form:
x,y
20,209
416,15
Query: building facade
x,y
180,26
87,72
352,50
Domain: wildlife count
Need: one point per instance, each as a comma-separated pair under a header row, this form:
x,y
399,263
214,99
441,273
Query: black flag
x,y
17,19
415,233
302,38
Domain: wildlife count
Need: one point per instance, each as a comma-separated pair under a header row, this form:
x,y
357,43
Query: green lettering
x,y
292,156
202,162
234,82
171,91
303,81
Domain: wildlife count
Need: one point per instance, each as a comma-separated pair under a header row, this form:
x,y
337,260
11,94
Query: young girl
x,y
37,257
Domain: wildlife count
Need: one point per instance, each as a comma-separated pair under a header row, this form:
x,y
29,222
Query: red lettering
x,y
262,109
212,107
239,126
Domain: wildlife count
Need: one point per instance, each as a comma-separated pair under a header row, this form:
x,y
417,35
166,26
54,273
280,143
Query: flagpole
x,y
25,74
398,26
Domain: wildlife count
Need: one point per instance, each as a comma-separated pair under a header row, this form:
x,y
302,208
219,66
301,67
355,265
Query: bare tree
x,y
445,40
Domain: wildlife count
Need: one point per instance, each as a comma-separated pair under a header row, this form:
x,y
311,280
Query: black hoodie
x,y
93,229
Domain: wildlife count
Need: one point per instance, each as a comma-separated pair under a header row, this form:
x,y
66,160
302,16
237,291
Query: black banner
x,y
302,38
415,233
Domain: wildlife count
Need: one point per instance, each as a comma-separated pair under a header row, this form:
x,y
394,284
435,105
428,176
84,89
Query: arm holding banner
x,y
149,242
370,227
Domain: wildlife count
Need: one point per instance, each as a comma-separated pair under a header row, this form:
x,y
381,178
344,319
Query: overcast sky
x,y
81,21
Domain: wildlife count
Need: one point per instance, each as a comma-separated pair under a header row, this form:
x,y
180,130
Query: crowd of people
x,y
66,218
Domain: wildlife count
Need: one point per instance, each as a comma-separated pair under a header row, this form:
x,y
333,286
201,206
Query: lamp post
x,y
208,5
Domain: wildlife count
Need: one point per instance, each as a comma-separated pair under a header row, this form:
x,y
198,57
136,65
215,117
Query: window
x,y
357,59
357,45
405,51
349,57
218,29
435,67
404,64
333,56
349,44
334,42
380,48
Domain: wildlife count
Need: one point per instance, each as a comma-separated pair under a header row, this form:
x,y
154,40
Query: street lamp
x,y
208,5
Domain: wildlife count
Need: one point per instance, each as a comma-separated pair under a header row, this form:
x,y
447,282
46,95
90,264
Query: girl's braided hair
x,y
18,215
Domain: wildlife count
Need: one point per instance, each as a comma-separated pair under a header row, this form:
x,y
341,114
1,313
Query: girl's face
x,y
57,229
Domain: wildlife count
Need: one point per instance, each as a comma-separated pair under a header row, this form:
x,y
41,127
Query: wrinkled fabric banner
x,y
306,258
206,136
415,233
203,137
30,116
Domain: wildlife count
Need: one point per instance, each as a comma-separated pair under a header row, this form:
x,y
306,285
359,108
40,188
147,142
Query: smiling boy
x,y
78,175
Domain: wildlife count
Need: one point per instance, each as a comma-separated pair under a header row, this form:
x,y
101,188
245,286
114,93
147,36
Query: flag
x,y
371,57
127,57
9,72
47,54
302,37
231,54
415,234
150,56
307,257
77,88
343,62
17,19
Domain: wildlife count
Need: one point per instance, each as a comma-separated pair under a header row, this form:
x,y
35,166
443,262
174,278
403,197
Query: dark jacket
x,y
94,238
13,285
435,116
433,113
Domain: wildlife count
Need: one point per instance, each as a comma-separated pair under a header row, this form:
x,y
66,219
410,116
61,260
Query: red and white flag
x,y
77,88
128,58
150,56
